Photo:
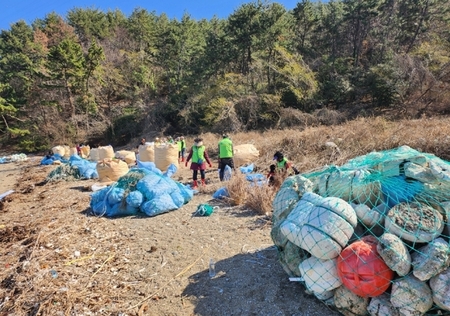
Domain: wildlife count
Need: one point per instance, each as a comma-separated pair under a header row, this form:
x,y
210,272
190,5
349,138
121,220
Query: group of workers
x,y
198,155
199,158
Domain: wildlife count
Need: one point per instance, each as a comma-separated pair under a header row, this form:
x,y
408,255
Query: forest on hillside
x,y
103,77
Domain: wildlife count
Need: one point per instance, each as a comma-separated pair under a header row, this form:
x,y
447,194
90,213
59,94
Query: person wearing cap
x,y
283,164
225,155
199,157
157,141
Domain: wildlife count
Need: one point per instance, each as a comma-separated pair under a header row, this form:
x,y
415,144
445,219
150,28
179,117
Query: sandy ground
x,y
56,259
9,173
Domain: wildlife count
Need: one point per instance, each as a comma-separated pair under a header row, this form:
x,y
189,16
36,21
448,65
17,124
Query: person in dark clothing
x,y
142,142
271,174
225,155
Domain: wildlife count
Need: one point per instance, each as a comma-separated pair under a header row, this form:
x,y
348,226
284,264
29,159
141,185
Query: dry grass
x,y
307,148
237,188
259,199
255,196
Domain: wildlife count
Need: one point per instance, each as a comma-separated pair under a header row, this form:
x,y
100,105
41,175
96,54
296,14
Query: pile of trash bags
x,y
370,236
143,190
51,159
75,168
13,158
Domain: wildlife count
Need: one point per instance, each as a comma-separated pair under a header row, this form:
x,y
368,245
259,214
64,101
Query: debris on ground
x,y
371,234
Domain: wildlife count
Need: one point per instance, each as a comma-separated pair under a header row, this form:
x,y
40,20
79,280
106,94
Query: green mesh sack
x,y
64,172
370,236
131,178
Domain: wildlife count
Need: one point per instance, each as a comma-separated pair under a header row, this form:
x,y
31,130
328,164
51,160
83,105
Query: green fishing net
x,y
64,172
370,237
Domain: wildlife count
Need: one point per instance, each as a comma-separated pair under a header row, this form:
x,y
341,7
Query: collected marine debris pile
x,y
76,168
140,191
13,158
371,236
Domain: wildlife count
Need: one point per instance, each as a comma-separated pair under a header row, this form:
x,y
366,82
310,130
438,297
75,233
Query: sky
x,y
12,11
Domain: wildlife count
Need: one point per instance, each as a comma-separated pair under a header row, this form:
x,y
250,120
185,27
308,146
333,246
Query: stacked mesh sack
x,y
140,191
370,237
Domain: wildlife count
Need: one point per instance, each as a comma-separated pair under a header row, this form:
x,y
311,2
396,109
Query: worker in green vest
x,y
199,156
181,148
225,155
283,164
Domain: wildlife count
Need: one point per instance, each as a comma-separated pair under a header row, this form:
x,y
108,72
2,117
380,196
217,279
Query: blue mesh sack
x,y
185,191
153,185
99,195
140,190
100,208
159,205
116,195
177,198
135,199
120,209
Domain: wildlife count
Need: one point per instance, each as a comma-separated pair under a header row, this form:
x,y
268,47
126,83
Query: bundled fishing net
x,y
371,236
64,172
76,168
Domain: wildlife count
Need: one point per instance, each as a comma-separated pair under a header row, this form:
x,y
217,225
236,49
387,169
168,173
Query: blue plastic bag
x,y
170,170
86,168
47,161
177,198
149,166
255,177
227,173
397,190
185,191
247,169
221,193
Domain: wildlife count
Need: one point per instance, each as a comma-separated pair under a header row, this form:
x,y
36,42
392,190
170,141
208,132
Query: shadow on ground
x,y
269,292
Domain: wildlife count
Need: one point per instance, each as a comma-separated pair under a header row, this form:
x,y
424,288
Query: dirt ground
x,y
57,259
